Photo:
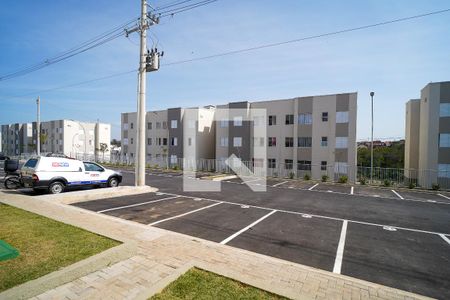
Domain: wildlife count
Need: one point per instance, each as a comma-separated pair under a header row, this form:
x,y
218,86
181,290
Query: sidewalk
x,y
161,255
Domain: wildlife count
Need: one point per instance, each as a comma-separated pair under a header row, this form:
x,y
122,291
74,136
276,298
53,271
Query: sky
x,y
395,61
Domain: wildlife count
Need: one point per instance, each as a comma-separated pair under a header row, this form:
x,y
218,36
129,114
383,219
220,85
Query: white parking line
x,y
444,196
445,238
398,195
280,183
136,204
246,228
311,188
340,250
185,214
351,190
252,180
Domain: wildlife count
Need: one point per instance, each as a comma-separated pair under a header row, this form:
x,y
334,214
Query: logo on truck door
x,y
60,164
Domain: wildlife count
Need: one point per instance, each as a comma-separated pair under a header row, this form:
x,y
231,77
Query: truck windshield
x,y
31,163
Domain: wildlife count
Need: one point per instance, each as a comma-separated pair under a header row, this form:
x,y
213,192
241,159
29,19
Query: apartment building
x,y
67,137
314,135
427,136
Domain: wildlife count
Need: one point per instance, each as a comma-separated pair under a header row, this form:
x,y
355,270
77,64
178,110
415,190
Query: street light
x,y
371,144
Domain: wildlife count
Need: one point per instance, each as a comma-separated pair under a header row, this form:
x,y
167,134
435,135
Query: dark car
x,y
3,157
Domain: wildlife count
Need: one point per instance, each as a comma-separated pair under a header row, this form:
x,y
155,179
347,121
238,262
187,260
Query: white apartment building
x,y
67,137
305,135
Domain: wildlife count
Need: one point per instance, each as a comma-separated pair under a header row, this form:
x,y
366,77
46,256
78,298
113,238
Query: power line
x,y
171,4
307,38
177,10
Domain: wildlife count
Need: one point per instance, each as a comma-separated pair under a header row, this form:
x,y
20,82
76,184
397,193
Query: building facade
x,y
427,136
305,135
69,137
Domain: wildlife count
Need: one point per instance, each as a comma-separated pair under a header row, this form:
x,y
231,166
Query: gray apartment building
x,y
67,137
427,136
314,135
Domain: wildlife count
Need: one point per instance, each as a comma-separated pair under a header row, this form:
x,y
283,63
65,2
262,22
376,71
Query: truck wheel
x,y
113,182
56,188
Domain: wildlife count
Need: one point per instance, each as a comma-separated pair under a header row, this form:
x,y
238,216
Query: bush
x,y
291,175
306,177
411,185
175,168
363,180
387,182
324,178
436,186
343,179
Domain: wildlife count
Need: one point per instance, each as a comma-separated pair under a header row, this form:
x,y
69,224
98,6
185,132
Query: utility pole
x,y
146,20
38,127
371,144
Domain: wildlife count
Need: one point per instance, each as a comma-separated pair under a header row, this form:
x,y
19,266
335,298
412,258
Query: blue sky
x,y
396,61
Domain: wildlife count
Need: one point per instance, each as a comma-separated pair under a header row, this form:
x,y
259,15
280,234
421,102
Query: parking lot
x,y
398,238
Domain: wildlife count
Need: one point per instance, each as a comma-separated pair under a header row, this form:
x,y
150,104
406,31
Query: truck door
x,y
93,174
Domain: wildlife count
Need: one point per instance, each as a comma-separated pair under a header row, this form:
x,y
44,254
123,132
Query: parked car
x,y
3,157
54,174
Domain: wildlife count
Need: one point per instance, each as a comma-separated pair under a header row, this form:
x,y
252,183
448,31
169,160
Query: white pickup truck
x,y
55,174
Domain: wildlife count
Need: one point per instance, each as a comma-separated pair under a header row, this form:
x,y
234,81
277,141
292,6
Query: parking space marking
x,y
136,204
444,196
317,216
351,190
311,188
252,180
185,214
398,195
280,183
247,227
445,238
340,250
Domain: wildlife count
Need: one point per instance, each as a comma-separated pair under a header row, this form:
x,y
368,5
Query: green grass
x,y
200,284
45,245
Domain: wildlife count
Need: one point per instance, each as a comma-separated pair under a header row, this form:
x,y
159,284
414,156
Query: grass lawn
x,y
45,245
200,284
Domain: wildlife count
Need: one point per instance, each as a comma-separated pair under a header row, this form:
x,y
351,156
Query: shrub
x,y
387,182
362,180
306,177
175,168
324,178
436,186
343,179
291,175
411,185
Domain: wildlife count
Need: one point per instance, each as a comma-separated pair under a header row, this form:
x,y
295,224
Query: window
x,y
341,142
223,123
303,165
164,125
272,141
189,141
289,119
288,163
342,117
149,141
174,141
158,141
272,120
91,167
323,165
173,124
149,155
131,125
324,142
304,142
173,159
325,117
164,141
131,141
224,142
237,121
444,110
289,142
158,156
340,167
444,140
158,125
258,162
305,119
149,125
444,170
237,142
271,163
125,127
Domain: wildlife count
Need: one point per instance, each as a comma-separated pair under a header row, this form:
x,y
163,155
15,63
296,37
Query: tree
x,y
103,148
116,143
383,157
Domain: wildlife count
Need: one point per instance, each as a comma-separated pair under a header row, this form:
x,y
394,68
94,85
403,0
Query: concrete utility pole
x,y
371,144
151,60
38,127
